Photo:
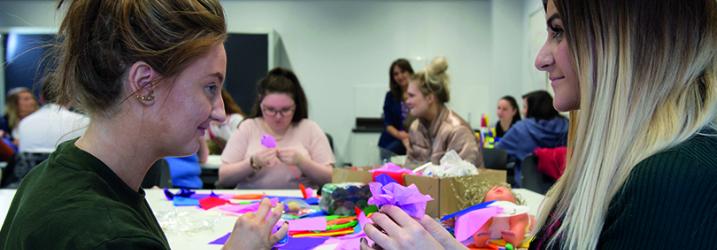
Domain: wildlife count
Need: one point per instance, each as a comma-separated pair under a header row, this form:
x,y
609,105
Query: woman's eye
x,y
556,32
211,89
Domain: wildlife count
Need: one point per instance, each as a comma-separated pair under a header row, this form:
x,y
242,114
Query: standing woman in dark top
x,y
640,80
149,74
508,114
395,112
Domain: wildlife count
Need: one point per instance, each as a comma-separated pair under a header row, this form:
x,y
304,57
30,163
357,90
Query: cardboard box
x,y
450,194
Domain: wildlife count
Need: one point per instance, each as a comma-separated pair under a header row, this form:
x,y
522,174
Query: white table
x,y
193,228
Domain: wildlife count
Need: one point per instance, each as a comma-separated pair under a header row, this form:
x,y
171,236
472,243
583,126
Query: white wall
x,y
341,50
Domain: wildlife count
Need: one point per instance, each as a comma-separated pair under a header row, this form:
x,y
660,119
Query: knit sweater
x,y
669,201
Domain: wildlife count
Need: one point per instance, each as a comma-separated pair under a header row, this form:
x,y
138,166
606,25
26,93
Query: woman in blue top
x,y
395,112
542,127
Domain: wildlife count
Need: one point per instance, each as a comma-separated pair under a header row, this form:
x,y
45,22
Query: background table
x,y
193,228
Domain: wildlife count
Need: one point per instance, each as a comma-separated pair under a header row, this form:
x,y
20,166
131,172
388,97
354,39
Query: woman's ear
x,y
431,98
141,79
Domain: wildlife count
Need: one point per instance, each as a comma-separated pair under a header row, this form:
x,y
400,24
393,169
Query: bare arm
x,y
398,134
232,173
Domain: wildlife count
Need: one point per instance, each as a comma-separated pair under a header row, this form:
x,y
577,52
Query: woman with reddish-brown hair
x,y
149,75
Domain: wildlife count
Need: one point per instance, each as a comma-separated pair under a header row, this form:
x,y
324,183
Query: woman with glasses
x,y
437,129
301,153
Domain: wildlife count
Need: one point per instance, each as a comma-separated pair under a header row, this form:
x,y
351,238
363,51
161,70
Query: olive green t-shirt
x,y
74,201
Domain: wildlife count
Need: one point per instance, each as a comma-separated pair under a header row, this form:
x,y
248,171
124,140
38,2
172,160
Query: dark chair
x,y
533,179
158,175
331,141
494,158
24,162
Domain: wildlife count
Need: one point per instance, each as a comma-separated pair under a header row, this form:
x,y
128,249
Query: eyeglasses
x,y
273,112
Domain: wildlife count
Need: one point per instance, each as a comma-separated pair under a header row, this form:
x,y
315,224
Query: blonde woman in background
x,y
437,128
641,85
19,103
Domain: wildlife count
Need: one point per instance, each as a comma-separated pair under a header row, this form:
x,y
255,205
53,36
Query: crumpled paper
x,y
268,141
392,171
391,168
451,165
409,199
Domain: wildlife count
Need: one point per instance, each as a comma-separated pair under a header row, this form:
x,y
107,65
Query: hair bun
x,y
438,66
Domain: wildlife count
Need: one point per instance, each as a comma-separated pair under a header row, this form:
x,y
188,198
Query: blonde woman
x,y
437,129
19,104
639,78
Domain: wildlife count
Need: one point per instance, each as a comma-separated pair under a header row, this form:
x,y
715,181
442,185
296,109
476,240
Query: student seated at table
x,y
19,103
149,75
542,127
437,129
40,132
508,114
302,153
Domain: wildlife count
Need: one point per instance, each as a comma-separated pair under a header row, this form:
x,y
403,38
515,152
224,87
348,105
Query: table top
x,y
193,228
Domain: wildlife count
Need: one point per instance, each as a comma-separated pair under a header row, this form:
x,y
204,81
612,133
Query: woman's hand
x,y
401,231
402,135
406,144
290,156
253,230
266,158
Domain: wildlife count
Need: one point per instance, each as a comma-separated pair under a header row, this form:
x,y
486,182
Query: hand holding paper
x,y
409,199
405,232
254,230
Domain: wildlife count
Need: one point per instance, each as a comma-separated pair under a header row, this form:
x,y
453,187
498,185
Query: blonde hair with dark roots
x,y
99,40
648,81
12,106
434,80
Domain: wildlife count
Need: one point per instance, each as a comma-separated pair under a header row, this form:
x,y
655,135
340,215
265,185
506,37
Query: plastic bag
x,y
451,166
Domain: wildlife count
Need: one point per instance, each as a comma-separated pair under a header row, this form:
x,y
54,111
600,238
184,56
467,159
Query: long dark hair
x,y
540,105
230,106
403,65
281,80
514,105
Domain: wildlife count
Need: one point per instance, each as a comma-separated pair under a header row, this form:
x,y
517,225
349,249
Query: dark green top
x,y
668,202
74,201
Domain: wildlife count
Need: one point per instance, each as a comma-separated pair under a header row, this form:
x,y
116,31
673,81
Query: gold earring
x,y
146,98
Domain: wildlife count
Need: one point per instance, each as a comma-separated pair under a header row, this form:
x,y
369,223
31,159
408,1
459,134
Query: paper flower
x,y
409,199
268,141
391,168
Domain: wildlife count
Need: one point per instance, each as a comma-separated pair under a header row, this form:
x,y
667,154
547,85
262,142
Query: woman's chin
x,y
565,105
